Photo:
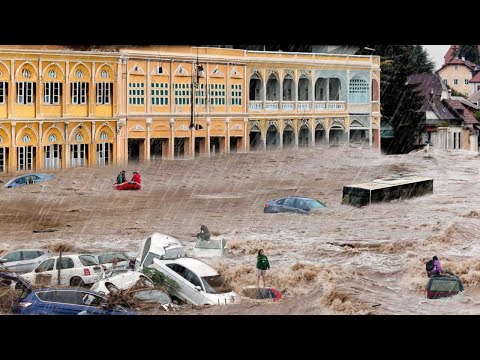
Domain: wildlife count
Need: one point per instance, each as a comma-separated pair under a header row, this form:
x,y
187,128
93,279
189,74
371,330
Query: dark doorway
x,y
255,139
233,144
134,149
179,148
214,145
156,149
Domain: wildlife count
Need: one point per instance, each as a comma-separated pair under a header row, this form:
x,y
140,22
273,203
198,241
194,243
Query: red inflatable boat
x,y
128,185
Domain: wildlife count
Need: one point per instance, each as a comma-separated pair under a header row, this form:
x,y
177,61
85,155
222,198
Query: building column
x,y
280,133
207,140
370,135
227,139
12,161
171,151
312,132
92,160
38,95
246,137
327,131
296,132
264,134
147,145
66,148
40,155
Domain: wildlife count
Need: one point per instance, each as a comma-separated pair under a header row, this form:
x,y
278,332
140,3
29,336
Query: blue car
x,y
293,204
28,179
59,301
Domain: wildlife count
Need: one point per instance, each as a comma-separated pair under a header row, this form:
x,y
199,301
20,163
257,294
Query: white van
x,y
158,246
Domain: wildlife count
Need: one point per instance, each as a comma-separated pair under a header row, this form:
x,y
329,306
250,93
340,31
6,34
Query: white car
x,y
120,279
109,259
199,283
75,270
158,246
24,260
210,248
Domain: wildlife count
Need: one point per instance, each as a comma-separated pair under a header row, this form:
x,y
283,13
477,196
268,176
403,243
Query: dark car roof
x,y
445,279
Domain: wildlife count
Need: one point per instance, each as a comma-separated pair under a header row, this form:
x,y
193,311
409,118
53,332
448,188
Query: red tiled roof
x,y
476,78
450,53
463,112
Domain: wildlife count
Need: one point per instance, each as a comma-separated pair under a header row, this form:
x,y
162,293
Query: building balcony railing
x,y
360,108
288,106
271,105
304,105
320,105
255,105
336,105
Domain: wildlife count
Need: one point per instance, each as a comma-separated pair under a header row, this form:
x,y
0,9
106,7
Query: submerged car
x,y
265,293
199,283
24,260
209,248
28,179
120,279
293,204
113,260
60,301
443,286
158,246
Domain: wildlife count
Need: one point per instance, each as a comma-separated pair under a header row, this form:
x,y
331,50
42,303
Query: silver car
x,y
28,179
24,260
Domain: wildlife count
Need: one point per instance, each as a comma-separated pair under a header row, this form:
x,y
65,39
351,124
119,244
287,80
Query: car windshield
x,y
88,260
445,286
216,284
109,258
114,272
314,203
209,244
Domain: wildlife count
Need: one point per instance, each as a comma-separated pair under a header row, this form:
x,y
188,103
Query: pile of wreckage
x,y
160,277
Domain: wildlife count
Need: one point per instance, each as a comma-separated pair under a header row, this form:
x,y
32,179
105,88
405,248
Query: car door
x,y
289,205
301,206
187,289
279,204
66,267
14,261
44,272
30,260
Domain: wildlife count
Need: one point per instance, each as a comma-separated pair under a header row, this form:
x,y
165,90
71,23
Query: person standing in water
x,y
262,266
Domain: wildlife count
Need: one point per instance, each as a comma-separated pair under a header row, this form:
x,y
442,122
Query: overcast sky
x,y
437,52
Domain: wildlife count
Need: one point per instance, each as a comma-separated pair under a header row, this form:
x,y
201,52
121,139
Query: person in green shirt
x,y
262,266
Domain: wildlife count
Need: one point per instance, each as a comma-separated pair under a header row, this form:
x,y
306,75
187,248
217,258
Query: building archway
x,y
288,88
273,88
321,87
255,136
256,87
337,135
288,136
304,91
273,138
303,136
320,135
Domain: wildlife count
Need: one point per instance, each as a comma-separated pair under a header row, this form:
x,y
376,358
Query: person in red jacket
x,y
136,177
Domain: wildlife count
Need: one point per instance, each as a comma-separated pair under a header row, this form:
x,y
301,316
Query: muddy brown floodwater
x,y
382,272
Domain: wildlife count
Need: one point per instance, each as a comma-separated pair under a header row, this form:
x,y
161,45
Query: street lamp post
x,y
196,74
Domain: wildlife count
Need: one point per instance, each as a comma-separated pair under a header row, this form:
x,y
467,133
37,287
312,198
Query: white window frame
x,y
200,95
25,93
466,81
103,93
79,93
455,81
3,92
52,93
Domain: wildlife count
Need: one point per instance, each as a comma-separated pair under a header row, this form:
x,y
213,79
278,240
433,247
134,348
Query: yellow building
x,y
62,108
56,109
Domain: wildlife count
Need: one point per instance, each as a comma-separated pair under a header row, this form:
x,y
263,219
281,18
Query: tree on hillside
x,y
470,52
400,103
